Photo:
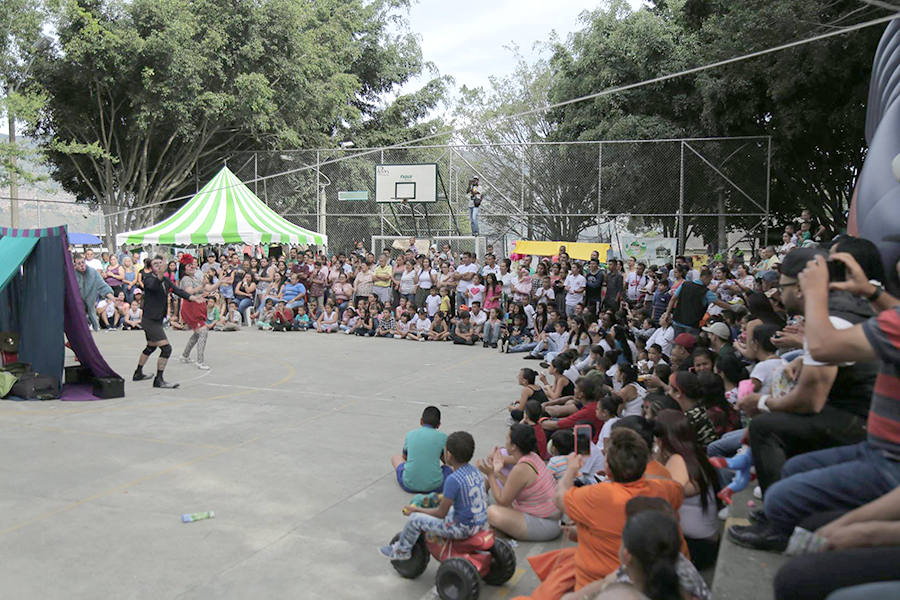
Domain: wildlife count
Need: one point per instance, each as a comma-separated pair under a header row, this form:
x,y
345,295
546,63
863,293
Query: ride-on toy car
x,y
464,563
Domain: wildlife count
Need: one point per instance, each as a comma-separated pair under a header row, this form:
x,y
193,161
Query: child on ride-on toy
x,y
462,512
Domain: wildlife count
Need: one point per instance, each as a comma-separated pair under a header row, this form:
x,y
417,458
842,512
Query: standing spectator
x,y
92,261
594,280
465,275
688,304
615,284
475,197
382,277
635,282
574,284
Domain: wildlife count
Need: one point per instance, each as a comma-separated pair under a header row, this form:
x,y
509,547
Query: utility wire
x,y
600,94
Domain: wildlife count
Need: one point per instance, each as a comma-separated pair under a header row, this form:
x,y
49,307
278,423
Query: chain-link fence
x,y
710,193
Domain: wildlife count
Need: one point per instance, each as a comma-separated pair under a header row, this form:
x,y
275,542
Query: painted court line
x,y
333,395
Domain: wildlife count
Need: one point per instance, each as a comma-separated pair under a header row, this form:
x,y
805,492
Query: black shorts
x,y
153,330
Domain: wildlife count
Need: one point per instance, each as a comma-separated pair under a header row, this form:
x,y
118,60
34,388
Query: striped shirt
x,y
536,499
883,426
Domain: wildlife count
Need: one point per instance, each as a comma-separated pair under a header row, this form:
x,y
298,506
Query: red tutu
x,y
193,314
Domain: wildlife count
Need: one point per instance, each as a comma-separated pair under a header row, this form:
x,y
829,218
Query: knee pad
x,y
149,350
166,351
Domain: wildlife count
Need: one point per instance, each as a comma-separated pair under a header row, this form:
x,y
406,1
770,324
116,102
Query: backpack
x,y
34,386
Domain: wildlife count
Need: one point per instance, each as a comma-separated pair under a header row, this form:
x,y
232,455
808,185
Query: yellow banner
x,y
576,250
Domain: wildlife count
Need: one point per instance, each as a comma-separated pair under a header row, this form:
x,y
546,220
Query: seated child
x,y
301,320
213,316
401,326
463,332
419,468
284,317
532,417
561,445
265,315
348,323
385,324
133,316
422,326
463,511
439,332
231,320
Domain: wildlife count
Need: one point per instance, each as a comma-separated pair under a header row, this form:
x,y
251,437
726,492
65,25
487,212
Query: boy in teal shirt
x,y
463,509
419,468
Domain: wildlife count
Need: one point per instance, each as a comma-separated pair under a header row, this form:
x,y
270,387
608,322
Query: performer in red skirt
x,y
193,315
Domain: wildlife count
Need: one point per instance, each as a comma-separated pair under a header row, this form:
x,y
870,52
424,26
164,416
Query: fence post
x,y
319,217
256,173
681,240
768,190
599,186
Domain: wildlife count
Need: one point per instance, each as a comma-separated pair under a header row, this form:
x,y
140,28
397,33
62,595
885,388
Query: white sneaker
x,y
723,514
348,332
397,336
203,366
186,359
421,339
757,493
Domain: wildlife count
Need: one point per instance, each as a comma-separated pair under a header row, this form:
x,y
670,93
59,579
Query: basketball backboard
x,y
406,183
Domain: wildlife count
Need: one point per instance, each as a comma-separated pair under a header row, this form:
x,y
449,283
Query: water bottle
x,y
198,516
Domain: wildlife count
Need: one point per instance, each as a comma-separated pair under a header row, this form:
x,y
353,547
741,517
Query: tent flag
x,y
225,211
14,251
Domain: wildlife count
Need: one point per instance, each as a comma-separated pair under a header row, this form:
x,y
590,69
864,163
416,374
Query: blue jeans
x,y
446,471
841,478
868,591
727,445
491,333
473,218
527,346
244,304
295,303
419,523
546,348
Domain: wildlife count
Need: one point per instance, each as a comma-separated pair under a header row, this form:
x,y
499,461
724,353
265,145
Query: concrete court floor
x,y
287,439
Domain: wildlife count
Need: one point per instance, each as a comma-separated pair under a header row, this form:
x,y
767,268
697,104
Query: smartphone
x,y
583,434
837,271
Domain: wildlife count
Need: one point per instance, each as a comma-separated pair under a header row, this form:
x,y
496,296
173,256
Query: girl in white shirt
x,y
475,293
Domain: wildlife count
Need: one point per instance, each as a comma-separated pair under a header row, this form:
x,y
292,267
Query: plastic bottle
x,y
199,516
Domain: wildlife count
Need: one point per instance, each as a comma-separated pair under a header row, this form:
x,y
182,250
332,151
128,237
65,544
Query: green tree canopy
x,y
142,90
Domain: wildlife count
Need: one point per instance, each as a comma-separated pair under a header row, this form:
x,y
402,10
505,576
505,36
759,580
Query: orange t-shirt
x,y
657,469
599,513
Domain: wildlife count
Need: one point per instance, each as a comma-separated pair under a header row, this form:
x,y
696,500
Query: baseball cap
x,y
719,329
769,276
137,291
686,341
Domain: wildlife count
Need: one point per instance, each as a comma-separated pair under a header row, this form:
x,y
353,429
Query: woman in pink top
x,y
524,507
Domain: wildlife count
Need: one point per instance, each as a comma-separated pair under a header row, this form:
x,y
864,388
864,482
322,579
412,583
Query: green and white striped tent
x,y
225,211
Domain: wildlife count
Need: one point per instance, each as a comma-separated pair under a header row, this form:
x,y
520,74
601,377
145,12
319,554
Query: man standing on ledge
x,y
156,289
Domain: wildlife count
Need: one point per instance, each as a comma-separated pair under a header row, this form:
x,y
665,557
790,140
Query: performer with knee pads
x,y
156,290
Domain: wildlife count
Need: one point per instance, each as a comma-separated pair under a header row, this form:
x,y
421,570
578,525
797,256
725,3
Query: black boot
x,y
159,382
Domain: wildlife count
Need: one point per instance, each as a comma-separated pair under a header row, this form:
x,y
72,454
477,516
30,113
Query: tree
x,y
810,99
143,90
554,186
20,42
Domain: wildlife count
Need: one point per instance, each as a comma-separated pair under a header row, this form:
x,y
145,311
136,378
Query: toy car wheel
x,y
416,564
458,579
503,563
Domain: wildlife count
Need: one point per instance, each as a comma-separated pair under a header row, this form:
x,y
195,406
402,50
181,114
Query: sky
x,y
465,39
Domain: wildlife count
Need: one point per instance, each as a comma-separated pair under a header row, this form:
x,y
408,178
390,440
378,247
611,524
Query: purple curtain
x,y
77,329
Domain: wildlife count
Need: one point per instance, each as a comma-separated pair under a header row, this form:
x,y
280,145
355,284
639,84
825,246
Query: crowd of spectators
x,y
610,442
